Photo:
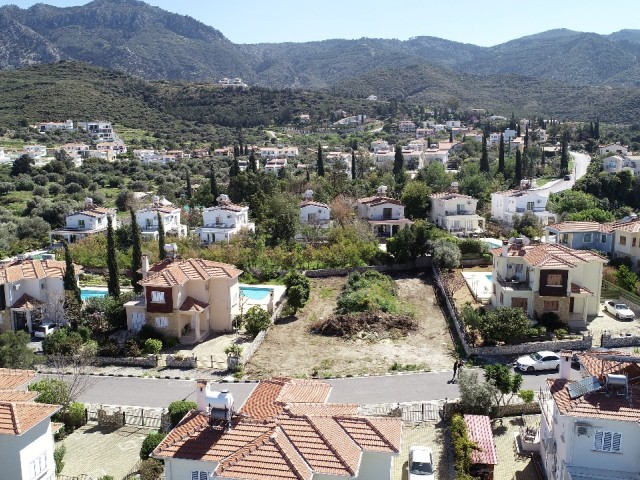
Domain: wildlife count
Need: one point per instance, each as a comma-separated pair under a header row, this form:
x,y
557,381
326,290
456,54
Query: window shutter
x,y
606,442
204,475
598,440
616,442
194,475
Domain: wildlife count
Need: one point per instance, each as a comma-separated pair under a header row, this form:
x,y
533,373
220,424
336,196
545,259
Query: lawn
x,y
291,349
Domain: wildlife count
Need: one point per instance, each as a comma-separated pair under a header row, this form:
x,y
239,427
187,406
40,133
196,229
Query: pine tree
x,y
354,172
113,285
189,191
484,159
246,149
69,280
518,172
501,155
564,156
236,151
253,165
398,163
136,253
161,252
213,185
320,162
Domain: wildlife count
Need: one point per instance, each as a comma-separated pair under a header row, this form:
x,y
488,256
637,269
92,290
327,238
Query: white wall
x,y
321,213
17,451
375,212
180,469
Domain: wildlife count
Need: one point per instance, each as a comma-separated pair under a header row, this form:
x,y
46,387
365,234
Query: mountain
x,y
134,37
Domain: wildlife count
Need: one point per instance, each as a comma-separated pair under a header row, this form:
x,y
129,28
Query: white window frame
x,y
38,466
588,238
157,296
162,322
607,441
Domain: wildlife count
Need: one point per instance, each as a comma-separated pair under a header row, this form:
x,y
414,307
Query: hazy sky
x,y
469,21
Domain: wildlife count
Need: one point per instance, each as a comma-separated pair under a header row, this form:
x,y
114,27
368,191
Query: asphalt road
x,y
580,163
150,392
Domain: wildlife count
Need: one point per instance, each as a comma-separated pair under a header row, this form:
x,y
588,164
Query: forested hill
x,y
151,43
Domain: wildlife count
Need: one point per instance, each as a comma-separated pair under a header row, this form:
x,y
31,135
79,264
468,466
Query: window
x,y
607,441
551,306
37,466
623,240
633,242
588,237
518,268
603,239
530,205
564,238
81,223
554,280
157,297
501,298
162,322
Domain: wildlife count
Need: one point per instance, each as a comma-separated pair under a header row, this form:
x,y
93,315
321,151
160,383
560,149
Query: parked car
x,y
619,310
543,360
567,177
420,463
44,330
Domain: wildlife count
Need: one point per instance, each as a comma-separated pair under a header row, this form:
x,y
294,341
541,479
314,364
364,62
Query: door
x,y
20,321
571,304
387,213
137,321
519,302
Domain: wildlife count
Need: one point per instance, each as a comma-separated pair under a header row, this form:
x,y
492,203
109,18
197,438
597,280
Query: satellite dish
x,y
525,240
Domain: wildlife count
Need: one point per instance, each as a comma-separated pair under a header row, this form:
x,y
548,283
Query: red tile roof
x,y
33,269
97,212
479,431
379,200
582,227
11,379
312,203
550,255
190,304
168,272
160,207
26,301
17,396
18,417
575,288
285,430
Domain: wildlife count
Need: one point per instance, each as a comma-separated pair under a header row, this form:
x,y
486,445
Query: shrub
x,y
561,333
178,409
150,443
551,321
51,391
152,346
58,456
150,469
368,291
108,348
147,331
504,324
526,395
298,289
75,417
233,350
472,245
85,333
256,320
132,348
170,341
106,477
446,254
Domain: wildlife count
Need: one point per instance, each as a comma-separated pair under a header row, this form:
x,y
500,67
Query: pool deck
x,y
278,293
479,285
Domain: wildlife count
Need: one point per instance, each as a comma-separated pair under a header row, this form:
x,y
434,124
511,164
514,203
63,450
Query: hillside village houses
x,y
547,278
384,215
312,213
147,218
26,429
275,165
45,127
32,291
591,428
84,223
456,213
186,298
508,204
615,148
285,429
223,221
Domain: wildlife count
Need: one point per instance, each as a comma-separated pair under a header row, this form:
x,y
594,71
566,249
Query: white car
x,y
420,463
44,330
619,310
543,360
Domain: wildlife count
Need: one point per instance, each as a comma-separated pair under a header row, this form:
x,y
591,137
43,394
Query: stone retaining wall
x,y
515,409
113,420
583,343
173,361
421,262
251,348
611,341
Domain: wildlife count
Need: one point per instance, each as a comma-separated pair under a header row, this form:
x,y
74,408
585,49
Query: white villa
x,y
548,278
147,218
456,213
314,213
100,130
84,223
187,299
275,165
615,148
384,215
223,221
44,127
507,204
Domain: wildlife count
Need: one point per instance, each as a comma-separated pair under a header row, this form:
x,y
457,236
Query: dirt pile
x,y
358,324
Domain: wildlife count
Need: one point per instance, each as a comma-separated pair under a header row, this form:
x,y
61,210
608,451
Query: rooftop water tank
x,y
220,403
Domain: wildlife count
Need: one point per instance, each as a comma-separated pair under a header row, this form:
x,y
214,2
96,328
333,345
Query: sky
x,y
467,21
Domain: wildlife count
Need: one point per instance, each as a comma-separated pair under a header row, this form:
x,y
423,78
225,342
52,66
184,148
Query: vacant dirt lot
x,y
291,349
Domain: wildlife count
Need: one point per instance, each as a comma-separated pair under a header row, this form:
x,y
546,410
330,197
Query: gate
x,y
409,412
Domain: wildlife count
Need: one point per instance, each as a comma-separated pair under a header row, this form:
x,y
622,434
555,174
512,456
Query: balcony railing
x,y
514,282
460,212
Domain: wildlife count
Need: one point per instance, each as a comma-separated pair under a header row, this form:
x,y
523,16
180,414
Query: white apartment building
x,y
456,213
507,204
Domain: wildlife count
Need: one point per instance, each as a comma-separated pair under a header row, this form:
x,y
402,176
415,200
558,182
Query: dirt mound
x,y
358,324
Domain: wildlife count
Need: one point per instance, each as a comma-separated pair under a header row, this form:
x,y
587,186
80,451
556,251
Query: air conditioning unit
x,y
583,429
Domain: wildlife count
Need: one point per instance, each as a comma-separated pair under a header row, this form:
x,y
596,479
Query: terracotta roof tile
x,y
11,379
96,212
190,304
168,273
450,195
376,434
26,301
631,227
313,203
550,255
379,200
575,288
321,409
582,227
18,417
33,269
17,395
479,431
159,207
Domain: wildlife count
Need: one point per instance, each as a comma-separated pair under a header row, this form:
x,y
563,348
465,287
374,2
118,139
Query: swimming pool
x,y
255,293
86,293
492,243
490,277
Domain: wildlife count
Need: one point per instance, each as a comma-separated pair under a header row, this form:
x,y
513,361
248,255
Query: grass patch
x,y
407,367
327,292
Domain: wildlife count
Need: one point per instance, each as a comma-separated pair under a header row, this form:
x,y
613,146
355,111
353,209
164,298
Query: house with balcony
x,y
456,213
547,278
186,298
435,154
26,429
314,214
84,223
147,219
223,221
590,428
384,215
626,242
100,130
32,292
406,126
275,165
507,204
286,429
44,127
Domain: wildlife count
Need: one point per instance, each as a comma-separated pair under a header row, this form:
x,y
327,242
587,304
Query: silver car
x,y
420,463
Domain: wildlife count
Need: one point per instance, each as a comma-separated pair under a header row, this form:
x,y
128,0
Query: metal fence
x,y
409,412
135,416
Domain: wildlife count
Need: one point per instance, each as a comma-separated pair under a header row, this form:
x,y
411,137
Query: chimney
x,y
171,250
201,395
145,266
505,248
565,364
88,202
155,199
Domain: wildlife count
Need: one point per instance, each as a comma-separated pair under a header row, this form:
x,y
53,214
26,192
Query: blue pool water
x,y
490,277
255,293
86,293
492,244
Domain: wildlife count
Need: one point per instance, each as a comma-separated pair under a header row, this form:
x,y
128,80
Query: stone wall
x,y
563,306
617,341
148,361
515,409
174,361
421,262
251,348
113,420
582,343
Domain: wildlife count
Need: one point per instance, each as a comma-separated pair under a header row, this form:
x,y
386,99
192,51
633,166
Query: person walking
x,y
455,370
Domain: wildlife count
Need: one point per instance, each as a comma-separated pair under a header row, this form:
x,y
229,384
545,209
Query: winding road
x,y
580,163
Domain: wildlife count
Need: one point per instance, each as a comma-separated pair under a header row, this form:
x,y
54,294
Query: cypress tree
x,y
236,151
451,135
213,185
542,157
596,129
501,155
518,172
398,163
518,129
353,165
113,285
253,165
564,157
484,159
189,190
320,162
69,280
161,253
235,168
136,253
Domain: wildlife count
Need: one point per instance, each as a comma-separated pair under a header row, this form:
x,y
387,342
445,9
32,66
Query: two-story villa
x,y
384,215
83,223
30,285
147,218
547,278
312,213
590,429
626,242
507,204
186,298
223,221
456,213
